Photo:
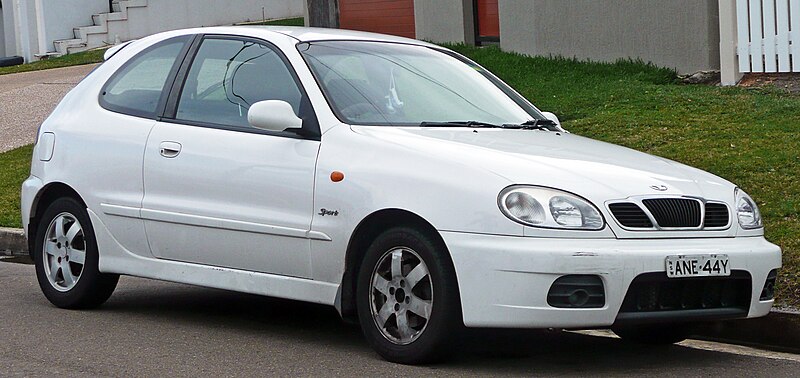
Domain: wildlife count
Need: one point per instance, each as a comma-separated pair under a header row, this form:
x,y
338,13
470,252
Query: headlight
x,y
550,208
747,211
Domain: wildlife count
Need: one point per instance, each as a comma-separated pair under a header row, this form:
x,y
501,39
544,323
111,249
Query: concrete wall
x,y
21,33
444,20
60,16
31,26
680,34
162,15
2,34
8,39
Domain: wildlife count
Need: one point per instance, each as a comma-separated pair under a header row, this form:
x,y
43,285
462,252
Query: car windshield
x,y
376,83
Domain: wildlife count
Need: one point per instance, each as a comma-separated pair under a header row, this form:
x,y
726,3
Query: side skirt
x,y
116,259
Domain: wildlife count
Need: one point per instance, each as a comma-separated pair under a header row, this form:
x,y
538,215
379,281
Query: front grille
x,y
716,215
655,292
674,212
630,215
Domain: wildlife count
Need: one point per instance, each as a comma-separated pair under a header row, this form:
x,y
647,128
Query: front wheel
x,y
66,258
407,297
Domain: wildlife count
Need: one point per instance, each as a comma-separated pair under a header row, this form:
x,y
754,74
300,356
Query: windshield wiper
x,y
459,124
534,124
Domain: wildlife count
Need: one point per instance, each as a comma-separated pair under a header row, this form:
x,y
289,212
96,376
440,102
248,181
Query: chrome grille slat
x,y
670,213
674,212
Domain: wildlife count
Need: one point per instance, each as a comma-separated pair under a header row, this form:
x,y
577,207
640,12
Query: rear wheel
x,y
655,334
408,302
66,258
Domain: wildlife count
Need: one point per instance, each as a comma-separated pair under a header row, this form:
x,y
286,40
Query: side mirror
x,y
552,117
273,115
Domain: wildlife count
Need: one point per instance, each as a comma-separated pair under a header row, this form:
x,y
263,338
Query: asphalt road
x,y
151,328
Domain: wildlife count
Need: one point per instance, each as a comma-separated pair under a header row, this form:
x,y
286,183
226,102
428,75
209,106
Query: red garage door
x,y
380,16
488,18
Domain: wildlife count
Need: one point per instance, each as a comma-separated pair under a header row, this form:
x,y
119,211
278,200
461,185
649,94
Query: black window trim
x,y
170,78
172,96
310,130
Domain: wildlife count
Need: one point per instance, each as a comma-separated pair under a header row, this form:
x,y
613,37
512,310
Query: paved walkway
x,y
27,98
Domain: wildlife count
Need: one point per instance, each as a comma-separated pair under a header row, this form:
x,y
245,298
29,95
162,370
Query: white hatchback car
x,y
393,179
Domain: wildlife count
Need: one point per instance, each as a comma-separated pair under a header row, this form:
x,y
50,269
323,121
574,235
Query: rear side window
x,y
138,86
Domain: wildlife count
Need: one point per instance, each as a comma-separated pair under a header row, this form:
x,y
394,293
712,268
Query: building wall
x,y
161,15
444,20
21,21
680,34
2,34
30,27
8,39
60,16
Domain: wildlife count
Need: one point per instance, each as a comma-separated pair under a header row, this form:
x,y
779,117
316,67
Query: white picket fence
x,y
769,35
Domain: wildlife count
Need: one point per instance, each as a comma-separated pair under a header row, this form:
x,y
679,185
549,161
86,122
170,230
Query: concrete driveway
x,y
158,329
27,98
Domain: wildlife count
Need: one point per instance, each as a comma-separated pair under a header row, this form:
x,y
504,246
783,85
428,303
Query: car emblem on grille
x,y
660,188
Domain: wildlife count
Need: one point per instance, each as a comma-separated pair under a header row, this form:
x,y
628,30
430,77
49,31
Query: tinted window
x,y
137,87
228,76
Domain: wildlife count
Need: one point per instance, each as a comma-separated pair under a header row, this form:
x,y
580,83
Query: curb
x,y
13,242
779,331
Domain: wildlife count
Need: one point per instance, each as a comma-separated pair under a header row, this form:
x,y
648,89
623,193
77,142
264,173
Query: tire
x,y
412,295
655,334
63,280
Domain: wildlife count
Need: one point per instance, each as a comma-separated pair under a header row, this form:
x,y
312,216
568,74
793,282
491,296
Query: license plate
x,y
697,266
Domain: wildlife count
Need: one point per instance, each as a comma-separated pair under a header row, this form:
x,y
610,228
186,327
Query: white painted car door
x,y
219,192
113,140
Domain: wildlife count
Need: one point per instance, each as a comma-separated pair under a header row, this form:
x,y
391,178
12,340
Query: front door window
x,y
228,76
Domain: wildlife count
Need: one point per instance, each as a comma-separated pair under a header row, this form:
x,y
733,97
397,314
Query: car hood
x,y
596,170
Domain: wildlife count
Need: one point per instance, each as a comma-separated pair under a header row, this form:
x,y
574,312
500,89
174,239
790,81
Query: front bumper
x,y
504,281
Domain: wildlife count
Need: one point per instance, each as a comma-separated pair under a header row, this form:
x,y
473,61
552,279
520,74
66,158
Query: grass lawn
x,y
86,57
748,136
15,165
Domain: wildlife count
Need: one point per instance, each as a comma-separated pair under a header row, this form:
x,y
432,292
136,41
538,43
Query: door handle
x,y
170,149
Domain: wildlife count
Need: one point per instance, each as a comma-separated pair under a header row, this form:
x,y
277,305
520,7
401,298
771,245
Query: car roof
x,y
326,34
304,34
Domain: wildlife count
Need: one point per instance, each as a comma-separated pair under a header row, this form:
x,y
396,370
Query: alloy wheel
x,y
64,252
401,295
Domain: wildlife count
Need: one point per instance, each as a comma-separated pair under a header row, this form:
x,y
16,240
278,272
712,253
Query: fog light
x,y
577,291
578,298
768,292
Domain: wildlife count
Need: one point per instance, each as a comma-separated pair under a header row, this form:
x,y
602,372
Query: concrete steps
x,y
96,35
